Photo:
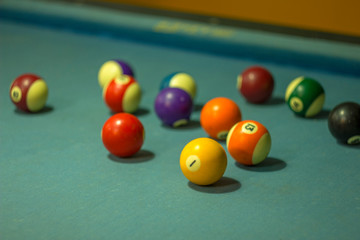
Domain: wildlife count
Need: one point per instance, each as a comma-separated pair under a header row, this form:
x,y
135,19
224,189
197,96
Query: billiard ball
x,y
123,135
173,106
180,80
113,69
248,142
29,92
203,161
255,84
344,122
218,116
122,94
305,96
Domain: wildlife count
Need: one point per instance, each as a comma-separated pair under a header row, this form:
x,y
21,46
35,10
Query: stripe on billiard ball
x,y
180,80
29,92
305,96
132,98
122,94
113,69
248,142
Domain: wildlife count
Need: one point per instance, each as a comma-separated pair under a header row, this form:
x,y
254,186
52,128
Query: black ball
x,y
344,122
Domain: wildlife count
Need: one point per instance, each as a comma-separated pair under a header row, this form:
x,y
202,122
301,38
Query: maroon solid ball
x,y
256,84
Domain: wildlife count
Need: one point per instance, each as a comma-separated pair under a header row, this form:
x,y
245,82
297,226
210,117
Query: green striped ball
x,y
305,96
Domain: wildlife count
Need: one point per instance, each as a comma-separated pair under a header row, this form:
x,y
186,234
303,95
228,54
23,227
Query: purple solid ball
x,y
173,106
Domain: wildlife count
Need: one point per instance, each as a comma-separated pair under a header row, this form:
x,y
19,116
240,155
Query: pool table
x,y
57,180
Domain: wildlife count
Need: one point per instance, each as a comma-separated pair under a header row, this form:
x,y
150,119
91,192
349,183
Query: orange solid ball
x,y
218,116
249,142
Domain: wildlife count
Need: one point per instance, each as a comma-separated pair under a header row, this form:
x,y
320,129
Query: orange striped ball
x,y
249,142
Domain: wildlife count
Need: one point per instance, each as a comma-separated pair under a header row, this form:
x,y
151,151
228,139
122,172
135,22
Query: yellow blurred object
x,y
339,17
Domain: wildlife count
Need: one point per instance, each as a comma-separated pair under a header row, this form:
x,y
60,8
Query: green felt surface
x,y
57,181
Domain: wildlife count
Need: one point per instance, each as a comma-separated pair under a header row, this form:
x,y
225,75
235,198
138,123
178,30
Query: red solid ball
x,y
123,135
256,84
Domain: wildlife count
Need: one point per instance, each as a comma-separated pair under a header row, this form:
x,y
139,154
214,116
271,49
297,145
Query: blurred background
x,y
327,16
